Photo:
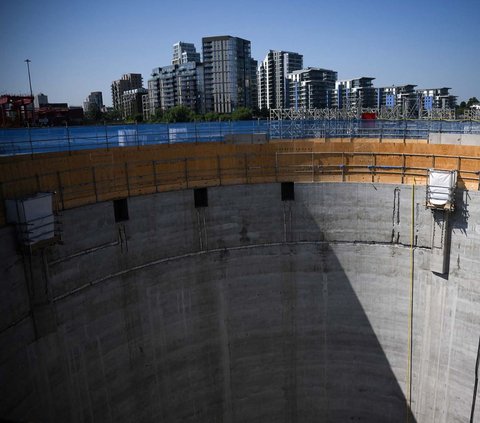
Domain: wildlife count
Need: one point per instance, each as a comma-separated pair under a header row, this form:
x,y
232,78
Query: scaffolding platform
x,y
440,193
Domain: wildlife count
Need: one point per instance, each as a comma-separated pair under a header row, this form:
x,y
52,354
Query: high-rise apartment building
x,y
355,93
184,52
311,88
127,82
230,74
94,102
254,83
414,101
396,95
273,84
437,98
132,103
176,85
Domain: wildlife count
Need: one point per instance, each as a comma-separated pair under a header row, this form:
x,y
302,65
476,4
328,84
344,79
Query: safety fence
x,y
90,184
358,128
44,140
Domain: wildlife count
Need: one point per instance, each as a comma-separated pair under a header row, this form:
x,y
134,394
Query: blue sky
x,y
81,46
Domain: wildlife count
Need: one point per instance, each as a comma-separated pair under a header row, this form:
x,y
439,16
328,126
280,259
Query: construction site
x,y
278,278
17,110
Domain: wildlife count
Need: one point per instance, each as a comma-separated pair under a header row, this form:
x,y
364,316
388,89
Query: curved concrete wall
x,y
249,310
92,176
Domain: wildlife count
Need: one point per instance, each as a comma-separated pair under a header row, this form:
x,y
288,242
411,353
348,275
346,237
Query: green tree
x,y
113,115
471,101
157,116
242,113
178,114
211,117
94,114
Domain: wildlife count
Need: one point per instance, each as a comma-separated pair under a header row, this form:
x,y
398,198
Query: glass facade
x,y
177,85
273,83
312,88
230,77
129,81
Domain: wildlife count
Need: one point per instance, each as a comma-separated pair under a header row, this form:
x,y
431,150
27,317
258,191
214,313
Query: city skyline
x,y
75,51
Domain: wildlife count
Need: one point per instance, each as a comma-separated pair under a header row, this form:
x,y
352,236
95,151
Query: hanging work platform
x,y
440,199
33,217
441,186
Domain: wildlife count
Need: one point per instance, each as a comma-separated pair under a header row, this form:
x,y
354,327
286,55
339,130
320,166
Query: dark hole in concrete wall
x,y
201,197
288,191
120,208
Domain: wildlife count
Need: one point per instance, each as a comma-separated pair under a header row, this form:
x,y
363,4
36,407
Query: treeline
x,y
184,114
464,105
180,114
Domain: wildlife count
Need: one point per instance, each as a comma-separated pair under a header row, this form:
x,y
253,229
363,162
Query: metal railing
x,y
90,184
45,140
358,128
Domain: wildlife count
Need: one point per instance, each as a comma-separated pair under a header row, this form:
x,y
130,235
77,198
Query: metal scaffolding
x,y
471,114
385,122
398,112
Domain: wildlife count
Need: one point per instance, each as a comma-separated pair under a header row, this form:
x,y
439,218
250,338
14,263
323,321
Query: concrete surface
x,y
453,139
92,176
250,310
259,138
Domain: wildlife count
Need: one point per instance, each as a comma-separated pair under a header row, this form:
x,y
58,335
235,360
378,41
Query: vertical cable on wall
x,y
472,412
410,311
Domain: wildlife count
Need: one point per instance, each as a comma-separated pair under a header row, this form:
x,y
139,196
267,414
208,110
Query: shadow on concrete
x,y
263,327
461,215
458,221
301,347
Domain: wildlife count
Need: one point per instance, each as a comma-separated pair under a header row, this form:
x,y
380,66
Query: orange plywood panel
x,y
329,159
415,161
170,172
392,140
472,164
389,160
233,168
86,176
392,178
415,180
472,185
367,140
79,201
48,182
358,177
261,168
415,141
20,187
353,160
328,177
446,163
141,178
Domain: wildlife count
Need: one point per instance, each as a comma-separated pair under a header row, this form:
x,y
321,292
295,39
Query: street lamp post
x,y
27,61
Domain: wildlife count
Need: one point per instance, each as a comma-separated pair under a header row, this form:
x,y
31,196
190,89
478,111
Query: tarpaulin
x,y
441,185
